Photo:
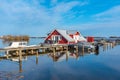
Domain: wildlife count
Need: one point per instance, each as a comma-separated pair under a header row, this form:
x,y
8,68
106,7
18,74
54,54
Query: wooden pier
x,y
31,50
45,48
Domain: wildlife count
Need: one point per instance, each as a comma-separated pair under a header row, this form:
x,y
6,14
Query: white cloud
x,y
64,7
20,13
112,14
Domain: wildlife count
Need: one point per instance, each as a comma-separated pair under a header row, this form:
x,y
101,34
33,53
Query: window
x,y
56,38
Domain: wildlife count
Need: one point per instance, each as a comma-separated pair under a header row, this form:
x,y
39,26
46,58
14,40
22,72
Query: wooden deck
x,y
31,50
40,49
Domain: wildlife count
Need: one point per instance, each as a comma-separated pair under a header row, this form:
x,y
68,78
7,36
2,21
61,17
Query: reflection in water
x,y
88,67
65,55
108,46
4,75
20,66
56,56
36,59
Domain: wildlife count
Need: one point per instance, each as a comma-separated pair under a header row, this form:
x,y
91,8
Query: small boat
x,y
17,44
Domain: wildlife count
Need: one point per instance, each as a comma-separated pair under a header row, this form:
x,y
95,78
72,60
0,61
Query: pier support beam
x,y
82,49
37,51
20,60
66,53
32,51
7,54
20,66
17,53
53,53
20,55
77,51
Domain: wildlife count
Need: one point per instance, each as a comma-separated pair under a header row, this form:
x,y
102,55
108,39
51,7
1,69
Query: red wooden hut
x,y
64,37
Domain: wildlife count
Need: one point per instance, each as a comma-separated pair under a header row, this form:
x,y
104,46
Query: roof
x,y
71,31
65,35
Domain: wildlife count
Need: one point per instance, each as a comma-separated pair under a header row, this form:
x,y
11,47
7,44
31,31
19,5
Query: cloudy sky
x,y
38,17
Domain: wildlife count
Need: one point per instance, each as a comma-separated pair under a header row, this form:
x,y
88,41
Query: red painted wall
x,y
77,33
62,41
90,39
53,33
71,35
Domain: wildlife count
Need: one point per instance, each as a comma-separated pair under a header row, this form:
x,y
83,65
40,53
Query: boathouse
x,y
64,37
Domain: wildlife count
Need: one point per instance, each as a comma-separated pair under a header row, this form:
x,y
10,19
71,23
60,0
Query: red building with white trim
x,y
64,37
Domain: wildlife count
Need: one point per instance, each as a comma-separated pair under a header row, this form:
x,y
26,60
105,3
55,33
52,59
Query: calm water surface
x,y
104,66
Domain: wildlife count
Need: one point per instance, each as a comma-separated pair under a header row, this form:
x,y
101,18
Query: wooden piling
x,y
83,49
53,53
77,51
20,55
20,66
53,50
17,53
66,53
37,52
36,60
7,54
32,51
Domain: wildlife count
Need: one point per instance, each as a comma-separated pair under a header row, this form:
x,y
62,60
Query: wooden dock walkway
x,y
44,48
29,50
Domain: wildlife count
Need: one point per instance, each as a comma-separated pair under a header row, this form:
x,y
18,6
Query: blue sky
x,y
38,17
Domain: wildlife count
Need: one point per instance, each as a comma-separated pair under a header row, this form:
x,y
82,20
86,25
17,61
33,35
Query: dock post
x,y
20,66
20,60
53,51
7,54
83,49
77,51
37,51
66,53
27,52
66,48
17,53
54,54
20,55
37,56
31,51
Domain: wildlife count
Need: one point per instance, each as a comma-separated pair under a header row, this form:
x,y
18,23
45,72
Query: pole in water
x,y
97,49
66,55
20,66
37,56
82,49
7,54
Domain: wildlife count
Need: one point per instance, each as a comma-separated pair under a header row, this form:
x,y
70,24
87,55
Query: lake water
x,y
103,66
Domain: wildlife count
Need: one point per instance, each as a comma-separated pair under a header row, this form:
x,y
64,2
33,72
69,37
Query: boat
x,y
17,44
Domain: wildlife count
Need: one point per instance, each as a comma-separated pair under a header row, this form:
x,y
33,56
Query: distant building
x,y
90,39
64,37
